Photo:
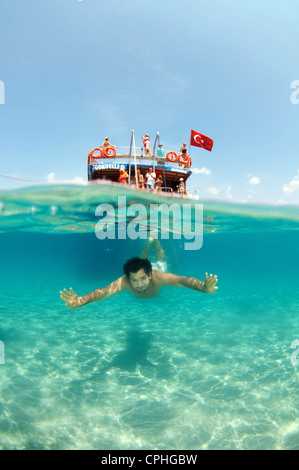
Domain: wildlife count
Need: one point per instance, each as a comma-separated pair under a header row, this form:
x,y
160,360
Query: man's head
x,y
139,272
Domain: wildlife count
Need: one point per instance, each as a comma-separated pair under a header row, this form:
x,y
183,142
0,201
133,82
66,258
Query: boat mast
x,y
132,145
130,154
154,149
135,160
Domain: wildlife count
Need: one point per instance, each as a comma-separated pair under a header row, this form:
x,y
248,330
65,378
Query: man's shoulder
x,y
122,282
158,275
166,279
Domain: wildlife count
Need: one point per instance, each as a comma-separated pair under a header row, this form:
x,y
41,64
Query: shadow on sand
x,y
138,345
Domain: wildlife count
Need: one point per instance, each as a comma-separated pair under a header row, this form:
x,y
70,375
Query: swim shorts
x,y
162,265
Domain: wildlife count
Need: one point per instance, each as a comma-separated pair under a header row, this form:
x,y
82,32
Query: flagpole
x,y
190,147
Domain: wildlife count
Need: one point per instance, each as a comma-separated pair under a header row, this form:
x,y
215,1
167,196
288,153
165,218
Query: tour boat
x,y
108,163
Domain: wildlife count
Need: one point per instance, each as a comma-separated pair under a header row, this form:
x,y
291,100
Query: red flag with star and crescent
x,y
199,140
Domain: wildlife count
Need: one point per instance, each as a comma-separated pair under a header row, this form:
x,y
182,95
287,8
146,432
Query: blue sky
x,y
72,72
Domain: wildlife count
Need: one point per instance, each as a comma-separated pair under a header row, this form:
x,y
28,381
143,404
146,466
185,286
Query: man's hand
x,y
70,298
210,284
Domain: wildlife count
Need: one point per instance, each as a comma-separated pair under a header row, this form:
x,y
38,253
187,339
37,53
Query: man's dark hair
x,y
135,264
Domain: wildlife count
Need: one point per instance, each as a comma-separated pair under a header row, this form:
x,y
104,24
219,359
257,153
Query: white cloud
x,y
254,180
77,180
228,192
203,170
292,186
51,177
214,191
252,192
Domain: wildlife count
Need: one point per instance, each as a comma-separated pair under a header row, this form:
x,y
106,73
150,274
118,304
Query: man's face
x,y
140,280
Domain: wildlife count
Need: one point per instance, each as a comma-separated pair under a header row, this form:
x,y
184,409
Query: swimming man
x,y
142,281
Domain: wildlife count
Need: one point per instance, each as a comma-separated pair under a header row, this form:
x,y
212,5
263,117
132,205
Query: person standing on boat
x,y
183,151
123,177
183,148
140,179
181,186
161,151
107,144
159,183
146,144
150,179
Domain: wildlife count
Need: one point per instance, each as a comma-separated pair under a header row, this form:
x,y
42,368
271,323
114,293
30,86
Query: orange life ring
x,y
184,159
171,156
110,152
95,157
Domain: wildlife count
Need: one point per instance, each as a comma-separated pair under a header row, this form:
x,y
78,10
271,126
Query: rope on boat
x,y
20,179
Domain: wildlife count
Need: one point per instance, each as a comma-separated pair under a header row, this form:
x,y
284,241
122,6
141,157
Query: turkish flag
x,y
199,140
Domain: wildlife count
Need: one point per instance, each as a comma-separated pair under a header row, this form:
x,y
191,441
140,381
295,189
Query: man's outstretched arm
x,y
208,286
72,300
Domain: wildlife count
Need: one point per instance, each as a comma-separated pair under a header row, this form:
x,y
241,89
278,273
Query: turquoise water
x,y
185,370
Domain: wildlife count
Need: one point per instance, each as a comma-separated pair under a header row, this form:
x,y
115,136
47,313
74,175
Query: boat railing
x,y
193,194
123,153
140,153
